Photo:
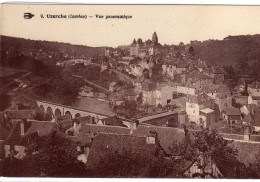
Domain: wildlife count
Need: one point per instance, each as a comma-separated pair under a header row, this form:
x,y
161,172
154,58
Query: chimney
x,y
76,127
131,128
22,128
152,138
246,133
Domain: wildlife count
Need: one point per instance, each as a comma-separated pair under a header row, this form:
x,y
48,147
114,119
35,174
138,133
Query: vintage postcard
x,y
130,91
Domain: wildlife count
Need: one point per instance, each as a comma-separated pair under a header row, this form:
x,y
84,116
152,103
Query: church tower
x,y
154,38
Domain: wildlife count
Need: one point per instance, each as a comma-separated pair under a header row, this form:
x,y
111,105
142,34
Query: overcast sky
x,y
173,24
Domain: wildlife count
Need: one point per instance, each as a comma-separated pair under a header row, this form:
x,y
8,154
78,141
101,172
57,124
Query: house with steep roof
x,y
94,140
231,114
108,142
165,134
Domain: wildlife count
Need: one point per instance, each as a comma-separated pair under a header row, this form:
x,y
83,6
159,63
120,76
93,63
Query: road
x,y
93,84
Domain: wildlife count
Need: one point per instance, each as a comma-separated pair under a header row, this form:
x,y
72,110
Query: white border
x,y
197,2
209,2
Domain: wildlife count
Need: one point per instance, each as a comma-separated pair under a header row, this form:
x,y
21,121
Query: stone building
x,y
142,49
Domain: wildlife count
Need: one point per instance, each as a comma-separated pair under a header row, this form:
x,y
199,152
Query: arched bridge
x,y
49,110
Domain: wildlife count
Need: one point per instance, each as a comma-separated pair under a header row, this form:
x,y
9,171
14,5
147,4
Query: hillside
x,y
242,52
13,43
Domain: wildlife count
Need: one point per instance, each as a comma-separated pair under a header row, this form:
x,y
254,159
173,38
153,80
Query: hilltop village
x,y
143,98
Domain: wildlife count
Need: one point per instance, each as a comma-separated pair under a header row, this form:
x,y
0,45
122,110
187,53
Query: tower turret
x,y
154,38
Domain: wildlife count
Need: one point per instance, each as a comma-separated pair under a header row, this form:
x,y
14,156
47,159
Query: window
x,y
191,106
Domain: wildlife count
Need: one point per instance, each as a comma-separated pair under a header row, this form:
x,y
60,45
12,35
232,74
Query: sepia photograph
x,y
130,91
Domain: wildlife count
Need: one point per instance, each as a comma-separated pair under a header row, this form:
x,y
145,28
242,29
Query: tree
x,y
127,163
92,72
157,72
181,44
252,171
131,108
206,147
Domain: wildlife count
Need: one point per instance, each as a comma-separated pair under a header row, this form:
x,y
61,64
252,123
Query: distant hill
x,y
13,43
238,51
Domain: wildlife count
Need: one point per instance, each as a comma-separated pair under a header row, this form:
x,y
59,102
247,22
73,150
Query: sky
x,y
172,23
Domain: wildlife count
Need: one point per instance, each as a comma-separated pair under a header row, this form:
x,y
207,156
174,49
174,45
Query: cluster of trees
x,y
207,147
58,85
12,43
129,164
53,83
89,72
240,51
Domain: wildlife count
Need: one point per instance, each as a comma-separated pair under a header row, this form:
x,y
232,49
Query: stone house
x,y
254,93
232,115
164,94
222,101
197,103
148,93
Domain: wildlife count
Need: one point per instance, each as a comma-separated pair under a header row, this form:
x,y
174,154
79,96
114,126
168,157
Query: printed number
x,y
42,16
